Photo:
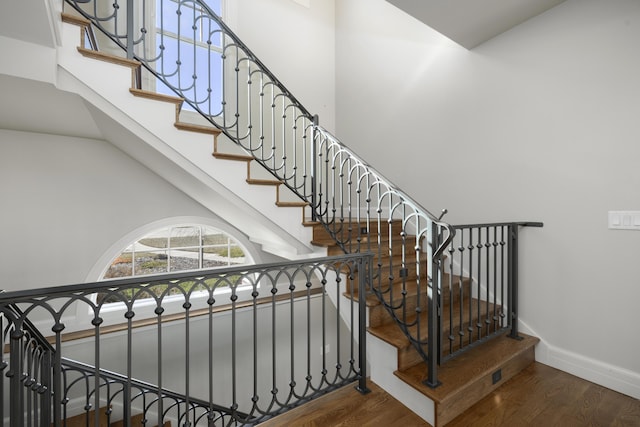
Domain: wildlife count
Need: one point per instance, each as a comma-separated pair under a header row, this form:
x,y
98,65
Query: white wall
x,y
66,201
540,123
297,43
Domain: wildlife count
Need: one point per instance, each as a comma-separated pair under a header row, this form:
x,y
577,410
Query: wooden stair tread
x,y
101,56
469,377
235,157
156,96
292,204
455,373
190,127
256,181
75,19
410,288
371,300
362,228
366,239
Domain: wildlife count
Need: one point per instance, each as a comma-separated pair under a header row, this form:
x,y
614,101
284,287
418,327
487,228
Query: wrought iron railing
x,y
189,51
26,362
479,294
122,396
226,347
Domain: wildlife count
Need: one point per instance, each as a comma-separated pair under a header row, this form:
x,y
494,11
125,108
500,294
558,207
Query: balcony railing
x,y
234,346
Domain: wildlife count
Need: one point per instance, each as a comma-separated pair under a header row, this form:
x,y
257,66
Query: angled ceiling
x,y
472,22
28,21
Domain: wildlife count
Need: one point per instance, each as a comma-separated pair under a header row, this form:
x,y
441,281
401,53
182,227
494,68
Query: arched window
x,y
177,248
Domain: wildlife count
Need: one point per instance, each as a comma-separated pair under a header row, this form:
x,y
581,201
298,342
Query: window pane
x,y
184,260
150,263
184,236
166,17
167,49
211,236
158,239
236,255
207,89
120,267
214,257
215,6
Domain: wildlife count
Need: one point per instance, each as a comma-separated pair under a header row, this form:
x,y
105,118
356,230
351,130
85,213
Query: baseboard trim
x,y
613,377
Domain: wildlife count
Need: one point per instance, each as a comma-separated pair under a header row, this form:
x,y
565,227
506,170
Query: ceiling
x,y
472,22
32,106
37,29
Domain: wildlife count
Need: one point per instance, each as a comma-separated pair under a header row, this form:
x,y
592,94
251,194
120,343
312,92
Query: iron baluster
x,y
461,249
364,276
432,311
494,318
471,247
513,281
487,281
16,413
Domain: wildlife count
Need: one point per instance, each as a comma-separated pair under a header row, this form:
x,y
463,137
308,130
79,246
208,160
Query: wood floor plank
x,y
544,396
346,407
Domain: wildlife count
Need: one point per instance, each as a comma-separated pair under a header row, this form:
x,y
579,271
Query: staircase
x,y
464,380
402,291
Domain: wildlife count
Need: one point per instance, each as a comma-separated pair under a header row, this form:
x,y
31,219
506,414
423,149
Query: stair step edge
x,y
255,181
94,54
156,96
235,157
75,19
292,204
455,374
209,130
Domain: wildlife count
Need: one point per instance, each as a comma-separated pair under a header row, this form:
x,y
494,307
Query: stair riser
x,y
474,391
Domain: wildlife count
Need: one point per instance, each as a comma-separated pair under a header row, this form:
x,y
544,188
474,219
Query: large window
x,y
189,48
177,248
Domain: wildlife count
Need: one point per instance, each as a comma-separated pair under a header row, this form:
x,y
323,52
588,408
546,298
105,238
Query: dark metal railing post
x,y
16,411
513,280
433,330
46,373
130,6
314,167
364,275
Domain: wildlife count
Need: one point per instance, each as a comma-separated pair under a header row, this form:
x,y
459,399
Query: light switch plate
x,y
624,220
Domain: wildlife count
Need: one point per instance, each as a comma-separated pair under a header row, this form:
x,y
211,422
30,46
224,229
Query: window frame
x,y
172,251
113,313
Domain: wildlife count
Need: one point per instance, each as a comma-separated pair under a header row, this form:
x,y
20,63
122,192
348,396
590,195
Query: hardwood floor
x,y
538,396
347,407
544,396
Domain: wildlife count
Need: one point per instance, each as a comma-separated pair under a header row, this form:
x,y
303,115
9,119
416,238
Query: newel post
x,y
364,265
433,330
513,280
